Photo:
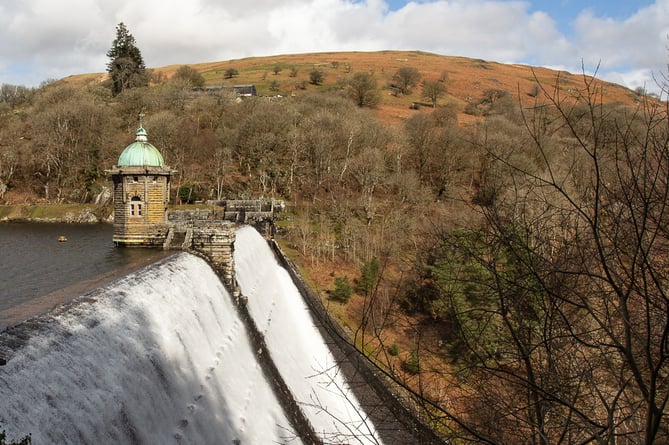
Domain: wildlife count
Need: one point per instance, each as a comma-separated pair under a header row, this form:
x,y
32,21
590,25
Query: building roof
x,y
141,153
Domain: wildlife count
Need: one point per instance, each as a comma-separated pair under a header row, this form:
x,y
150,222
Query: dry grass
x,y
465,79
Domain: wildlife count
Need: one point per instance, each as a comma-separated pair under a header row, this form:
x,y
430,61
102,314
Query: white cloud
x,y
639,40
47,39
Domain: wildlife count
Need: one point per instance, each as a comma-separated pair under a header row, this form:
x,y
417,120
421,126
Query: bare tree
x,y
69,130
421,133
406,78
433,90
14,95
559,299
363,90
8,165
190,75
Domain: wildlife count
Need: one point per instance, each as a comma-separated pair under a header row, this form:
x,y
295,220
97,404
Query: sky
x,y
627,39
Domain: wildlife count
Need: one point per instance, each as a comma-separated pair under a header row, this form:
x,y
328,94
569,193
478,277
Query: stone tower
x,y
141,194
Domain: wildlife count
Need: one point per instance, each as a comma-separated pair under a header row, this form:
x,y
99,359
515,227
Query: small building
x,y
243,90
141,194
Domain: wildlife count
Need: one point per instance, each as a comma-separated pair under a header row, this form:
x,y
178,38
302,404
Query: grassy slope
x,y
465,79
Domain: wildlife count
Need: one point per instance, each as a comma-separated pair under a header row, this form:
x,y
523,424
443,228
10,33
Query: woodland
x,y
498,250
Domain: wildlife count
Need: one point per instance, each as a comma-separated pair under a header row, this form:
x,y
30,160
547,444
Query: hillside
x,y
465,79
511,274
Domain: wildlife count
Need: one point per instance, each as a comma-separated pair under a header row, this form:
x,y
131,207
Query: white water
x,y
161,357
296,345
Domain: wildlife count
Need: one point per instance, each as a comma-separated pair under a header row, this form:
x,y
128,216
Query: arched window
x,y
136,206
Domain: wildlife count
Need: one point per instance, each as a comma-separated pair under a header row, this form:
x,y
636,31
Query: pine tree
x,y
369,277
126,66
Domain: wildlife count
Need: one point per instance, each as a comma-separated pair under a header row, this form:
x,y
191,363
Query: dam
x,y
214,344
163,356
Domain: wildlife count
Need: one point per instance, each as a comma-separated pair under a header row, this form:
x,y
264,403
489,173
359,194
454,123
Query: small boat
x,y
62,239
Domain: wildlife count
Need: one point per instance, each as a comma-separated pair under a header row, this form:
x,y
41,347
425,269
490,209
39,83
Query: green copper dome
x,y
141,153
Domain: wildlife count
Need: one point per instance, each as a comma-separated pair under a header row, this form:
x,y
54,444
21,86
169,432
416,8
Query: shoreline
x,y
55,213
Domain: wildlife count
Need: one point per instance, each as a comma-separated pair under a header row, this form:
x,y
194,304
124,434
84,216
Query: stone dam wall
x,y
398,401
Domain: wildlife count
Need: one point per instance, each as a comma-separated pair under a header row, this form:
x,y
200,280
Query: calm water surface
x,y
38,272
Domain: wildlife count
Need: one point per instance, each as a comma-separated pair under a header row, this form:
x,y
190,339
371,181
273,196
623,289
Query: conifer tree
x,y
126,66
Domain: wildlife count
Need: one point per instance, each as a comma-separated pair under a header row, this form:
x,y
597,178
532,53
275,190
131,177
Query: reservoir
x,y
38,272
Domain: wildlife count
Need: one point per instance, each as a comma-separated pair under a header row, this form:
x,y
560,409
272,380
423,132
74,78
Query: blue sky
x,y
566,11
628,39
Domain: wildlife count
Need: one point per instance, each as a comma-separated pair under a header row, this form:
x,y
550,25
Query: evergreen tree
x,y
369,277
126,66
342,291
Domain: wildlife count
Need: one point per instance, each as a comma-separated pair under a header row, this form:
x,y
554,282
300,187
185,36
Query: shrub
x,y
342,291
472,108
412,363
189,74
316,77
188,193
394,350
230,73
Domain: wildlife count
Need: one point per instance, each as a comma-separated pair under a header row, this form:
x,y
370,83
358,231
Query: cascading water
x,y
161,356
296,346
157,357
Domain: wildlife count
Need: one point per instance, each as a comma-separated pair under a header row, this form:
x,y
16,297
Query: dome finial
x,y
141,134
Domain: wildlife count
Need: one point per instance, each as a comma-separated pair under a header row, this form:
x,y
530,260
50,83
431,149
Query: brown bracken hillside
x,y
465,79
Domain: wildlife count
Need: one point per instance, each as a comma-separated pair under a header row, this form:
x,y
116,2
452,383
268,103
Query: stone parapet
x,y
216,241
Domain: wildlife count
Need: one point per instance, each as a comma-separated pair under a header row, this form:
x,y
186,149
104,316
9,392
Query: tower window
x,y
136,206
